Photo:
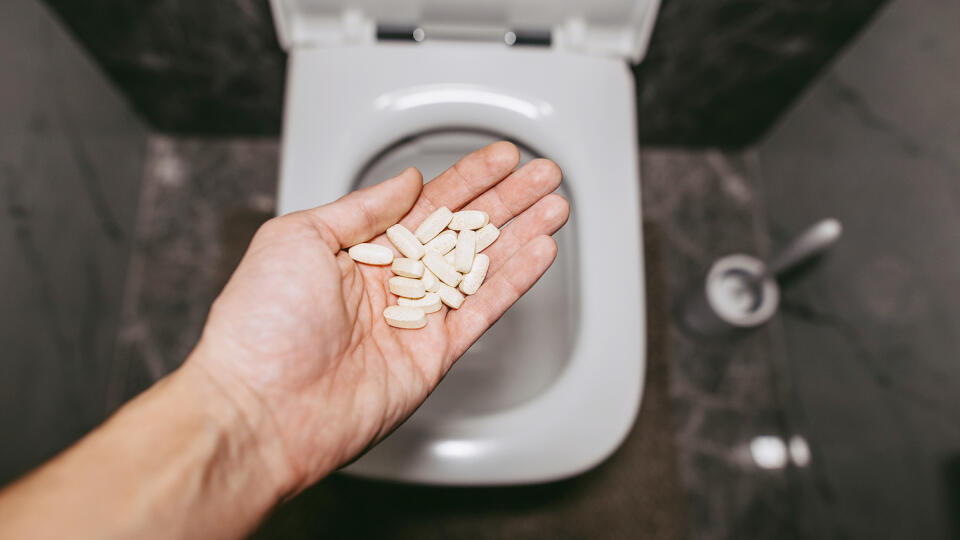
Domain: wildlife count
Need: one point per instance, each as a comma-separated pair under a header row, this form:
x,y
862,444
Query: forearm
x,y
181,460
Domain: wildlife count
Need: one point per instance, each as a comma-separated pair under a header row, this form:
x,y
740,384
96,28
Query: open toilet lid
x,y
617,28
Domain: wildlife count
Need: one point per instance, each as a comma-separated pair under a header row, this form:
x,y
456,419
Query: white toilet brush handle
x,y
814,240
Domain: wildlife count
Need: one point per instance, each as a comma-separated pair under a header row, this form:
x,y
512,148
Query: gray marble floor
x,y
201,201
726,393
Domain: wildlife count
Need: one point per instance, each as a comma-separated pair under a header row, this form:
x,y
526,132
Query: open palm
x,y
298,332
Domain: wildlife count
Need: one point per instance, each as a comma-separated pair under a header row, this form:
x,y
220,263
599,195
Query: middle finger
x,y
519,191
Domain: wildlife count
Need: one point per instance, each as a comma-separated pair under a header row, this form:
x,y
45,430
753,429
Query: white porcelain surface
x,y
569,411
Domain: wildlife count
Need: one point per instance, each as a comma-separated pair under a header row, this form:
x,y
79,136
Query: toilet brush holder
x,y
737,295
741,292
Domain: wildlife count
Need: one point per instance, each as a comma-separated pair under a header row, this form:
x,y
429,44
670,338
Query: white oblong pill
x,y
405,316
429,303
486,235
441,268
465,250
430,281
450,296
371,254
443,243
405,242
434,224
407,287
474,278
468,219
407,267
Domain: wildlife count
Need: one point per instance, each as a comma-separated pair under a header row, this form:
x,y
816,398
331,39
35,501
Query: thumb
x,y
365,213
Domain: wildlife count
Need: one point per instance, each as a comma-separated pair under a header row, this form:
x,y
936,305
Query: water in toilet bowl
x,y
528,348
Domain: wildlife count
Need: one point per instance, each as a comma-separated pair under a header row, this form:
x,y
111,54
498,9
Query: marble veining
x,y
200,204
700,206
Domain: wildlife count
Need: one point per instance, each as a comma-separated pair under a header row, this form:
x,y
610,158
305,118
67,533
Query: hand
x,y
297,338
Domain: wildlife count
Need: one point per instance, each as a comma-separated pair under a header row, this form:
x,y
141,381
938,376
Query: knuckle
x,y
547,169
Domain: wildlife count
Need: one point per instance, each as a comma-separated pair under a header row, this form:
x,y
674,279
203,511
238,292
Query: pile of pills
x,y
441,263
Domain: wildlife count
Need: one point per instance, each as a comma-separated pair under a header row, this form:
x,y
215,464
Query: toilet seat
x,y
347,103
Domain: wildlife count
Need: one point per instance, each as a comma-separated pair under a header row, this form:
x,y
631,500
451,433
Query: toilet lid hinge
x,y
618,29
540,37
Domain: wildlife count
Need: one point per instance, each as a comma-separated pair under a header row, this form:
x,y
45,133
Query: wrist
x,y
255,448
188,457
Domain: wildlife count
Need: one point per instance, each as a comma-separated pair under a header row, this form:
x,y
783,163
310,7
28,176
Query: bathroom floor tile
x,y
700,206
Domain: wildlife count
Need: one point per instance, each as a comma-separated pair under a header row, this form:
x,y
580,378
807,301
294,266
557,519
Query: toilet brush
x,y
741,292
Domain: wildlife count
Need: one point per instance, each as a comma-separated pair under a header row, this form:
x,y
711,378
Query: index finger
x,y
468,178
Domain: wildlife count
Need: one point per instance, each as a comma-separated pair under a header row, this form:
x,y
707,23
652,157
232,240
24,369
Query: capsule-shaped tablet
x,y
407,287
468,219
430,281
443,243
441,268
429,303
407,267
405,316
450,296
486,235
405,242
465,250
371,254
474,278
434,224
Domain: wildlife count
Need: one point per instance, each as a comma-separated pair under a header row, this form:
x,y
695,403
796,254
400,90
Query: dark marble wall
x,y
71,161
873,337
719,72
211,67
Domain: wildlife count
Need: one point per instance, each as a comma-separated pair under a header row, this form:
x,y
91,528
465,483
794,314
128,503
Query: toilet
x,y
553,388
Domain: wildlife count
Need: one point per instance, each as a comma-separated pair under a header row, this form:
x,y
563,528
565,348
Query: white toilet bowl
x,y
553,388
